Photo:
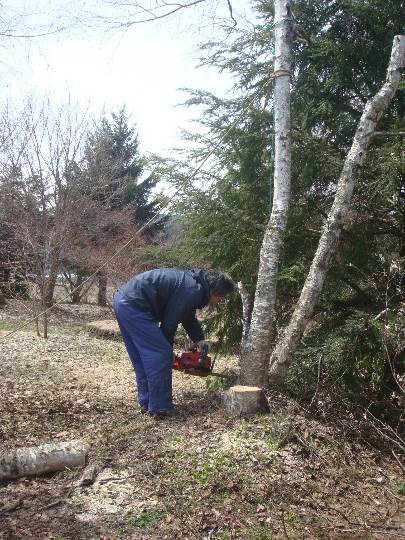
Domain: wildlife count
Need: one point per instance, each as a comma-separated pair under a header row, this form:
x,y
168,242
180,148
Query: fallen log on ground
x,y
107,329
37,460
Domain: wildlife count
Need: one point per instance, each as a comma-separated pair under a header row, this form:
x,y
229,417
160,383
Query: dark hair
x,y
219,282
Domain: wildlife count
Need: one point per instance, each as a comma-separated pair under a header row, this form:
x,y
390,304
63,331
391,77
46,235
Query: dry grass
x,y
200,475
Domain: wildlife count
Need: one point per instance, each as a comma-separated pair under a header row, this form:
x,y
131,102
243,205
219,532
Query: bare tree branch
x,y
162,10
231,12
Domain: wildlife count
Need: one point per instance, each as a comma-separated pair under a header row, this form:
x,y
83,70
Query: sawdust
x,y
114,492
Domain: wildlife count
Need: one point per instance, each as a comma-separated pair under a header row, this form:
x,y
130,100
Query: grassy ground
x,y
202,475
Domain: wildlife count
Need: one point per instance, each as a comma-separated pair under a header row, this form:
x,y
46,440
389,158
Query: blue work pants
x,y
150,352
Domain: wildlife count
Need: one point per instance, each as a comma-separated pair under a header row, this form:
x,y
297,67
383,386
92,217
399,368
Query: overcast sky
x,y
142,67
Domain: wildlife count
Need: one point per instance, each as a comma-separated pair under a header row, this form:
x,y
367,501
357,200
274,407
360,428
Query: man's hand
x,y
203,346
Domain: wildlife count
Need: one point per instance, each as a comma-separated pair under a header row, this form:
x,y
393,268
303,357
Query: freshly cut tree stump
x,y
108,329
36,460
245,400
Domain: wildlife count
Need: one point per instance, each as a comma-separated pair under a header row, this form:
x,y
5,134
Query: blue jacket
x,y
172,296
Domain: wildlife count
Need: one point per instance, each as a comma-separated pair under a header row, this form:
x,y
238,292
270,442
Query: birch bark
x,y
246,312
42,459
374,109
255,354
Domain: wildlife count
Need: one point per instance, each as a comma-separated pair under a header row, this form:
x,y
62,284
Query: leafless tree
x,y
95,234
39,190
115,14
54,212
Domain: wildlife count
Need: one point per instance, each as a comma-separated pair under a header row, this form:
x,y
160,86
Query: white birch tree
x,y
256,353
328,243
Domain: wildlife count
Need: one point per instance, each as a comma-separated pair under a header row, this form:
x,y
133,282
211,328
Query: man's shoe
x,y
162,415
143,410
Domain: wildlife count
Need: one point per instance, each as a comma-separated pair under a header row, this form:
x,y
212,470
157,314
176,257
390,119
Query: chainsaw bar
x,y
199,373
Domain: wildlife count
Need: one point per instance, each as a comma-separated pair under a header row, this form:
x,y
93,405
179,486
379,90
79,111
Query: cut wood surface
x,y
37,460
245,400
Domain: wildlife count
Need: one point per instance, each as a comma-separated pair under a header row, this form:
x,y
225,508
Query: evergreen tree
x,y
119,200
113,168
339,64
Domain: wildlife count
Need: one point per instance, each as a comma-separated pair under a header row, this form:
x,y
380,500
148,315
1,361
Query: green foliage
x,y
222,214
222,226
345,62
401,487
214,383
357,353
215,470
114,168
145,520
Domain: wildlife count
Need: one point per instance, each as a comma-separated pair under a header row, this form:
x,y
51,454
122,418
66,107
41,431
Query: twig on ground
x,y
149,471
338,528
330,508
11,507
399,463
311,449
396,439
51,505
116,479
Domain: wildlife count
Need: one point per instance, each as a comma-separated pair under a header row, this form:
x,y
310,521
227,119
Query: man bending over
x,y
149,307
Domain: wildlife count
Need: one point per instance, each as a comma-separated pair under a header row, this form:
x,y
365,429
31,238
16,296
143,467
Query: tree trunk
x,y
50,284
246,312
36,310
77,288
255,356
45,321
43,459
102,289
374,109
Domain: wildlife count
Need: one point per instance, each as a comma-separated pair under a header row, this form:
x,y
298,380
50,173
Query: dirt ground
x,y
202,475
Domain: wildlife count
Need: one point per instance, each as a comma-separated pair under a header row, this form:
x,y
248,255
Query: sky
x,y
142,67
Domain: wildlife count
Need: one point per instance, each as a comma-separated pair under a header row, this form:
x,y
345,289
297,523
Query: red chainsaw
x,y
195,363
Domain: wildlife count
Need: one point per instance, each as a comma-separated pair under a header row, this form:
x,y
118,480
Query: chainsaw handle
x,y
203,353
